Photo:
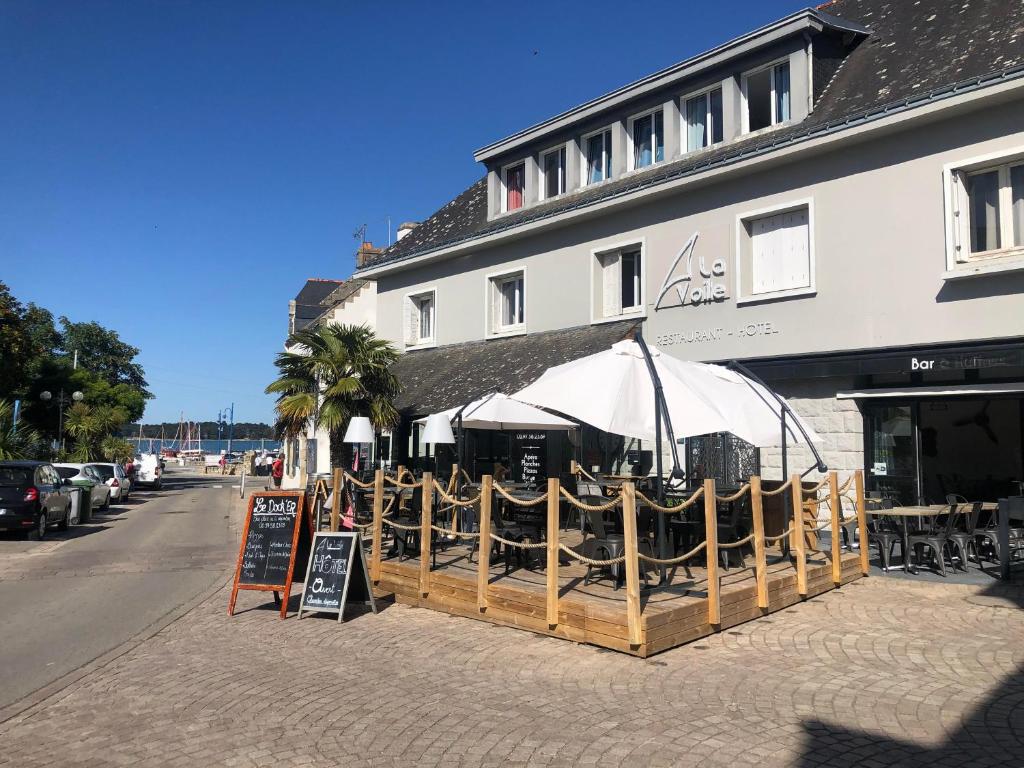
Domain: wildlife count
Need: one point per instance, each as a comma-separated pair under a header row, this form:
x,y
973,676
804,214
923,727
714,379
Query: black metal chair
x,y
935,538
963,541
885,534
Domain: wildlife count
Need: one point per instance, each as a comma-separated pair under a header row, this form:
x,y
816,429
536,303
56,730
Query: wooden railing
x,y
627,498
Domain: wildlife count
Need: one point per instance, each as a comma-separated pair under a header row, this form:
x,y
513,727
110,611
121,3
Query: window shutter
x,y
495,289
411,321
611,290
796,256
764,260
960,211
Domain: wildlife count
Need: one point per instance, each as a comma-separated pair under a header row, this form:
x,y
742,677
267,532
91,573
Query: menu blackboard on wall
x,y
336,573
276,535
530,456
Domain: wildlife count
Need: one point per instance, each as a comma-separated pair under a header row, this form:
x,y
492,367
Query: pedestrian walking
x,y
277,471
260,459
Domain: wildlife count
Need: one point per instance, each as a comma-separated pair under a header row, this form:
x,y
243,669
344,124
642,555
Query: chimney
x,y
405,228
365,254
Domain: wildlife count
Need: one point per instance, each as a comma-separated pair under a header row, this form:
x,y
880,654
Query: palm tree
x,y
21,443
90,426
331,373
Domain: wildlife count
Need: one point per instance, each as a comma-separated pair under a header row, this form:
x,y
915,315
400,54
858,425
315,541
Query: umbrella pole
x,y
659,487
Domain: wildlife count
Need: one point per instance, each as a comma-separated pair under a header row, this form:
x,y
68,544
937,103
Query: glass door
x,y
892,451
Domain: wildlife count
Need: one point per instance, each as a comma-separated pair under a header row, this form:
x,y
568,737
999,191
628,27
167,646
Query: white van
x,y
147,470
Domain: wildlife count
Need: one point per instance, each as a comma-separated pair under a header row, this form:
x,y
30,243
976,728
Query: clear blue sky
x,y
175,170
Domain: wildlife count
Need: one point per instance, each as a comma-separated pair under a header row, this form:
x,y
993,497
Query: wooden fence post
x,y
425,520
862,523
632,563
378,524
796,493
760,560
552,571
837,531
336,505
483,570
711,533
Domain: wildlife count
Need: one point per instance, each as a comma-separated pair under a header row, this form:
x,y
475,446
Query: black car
x,y
32,497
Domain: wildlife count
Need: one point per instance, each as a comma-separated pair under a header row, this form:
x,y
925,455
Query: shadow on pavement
x,y
992,734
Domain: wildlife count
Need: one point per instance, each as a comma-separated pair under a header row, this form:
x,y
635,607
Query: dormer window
x,y
648,135
702,115
766,96
514,182
553,173
598,147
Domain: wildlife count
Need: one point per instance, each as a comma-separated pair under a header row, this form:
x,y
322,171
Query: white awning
x,y
946,390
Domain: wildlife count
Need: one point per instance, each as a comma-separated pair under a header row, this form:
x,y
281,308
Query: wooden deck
x,y
672,615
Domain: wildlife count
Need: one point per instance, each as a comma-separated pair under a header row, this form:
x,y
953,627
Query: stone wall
x,y
838,422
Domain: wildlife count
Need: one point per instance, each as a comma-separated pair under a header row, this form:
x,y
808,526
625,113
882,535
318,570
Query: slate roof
x,y
318,296
456,374
917,51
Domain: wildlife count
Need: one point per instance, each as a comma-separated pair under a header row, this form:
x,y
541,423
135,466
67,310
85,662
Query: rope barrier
x,y
455,534
673,560
452,500
519,544
782,535
670,510
356,482
589,507
734,544
400,526
846,486
580,470
521,502
815,488
778,490
741,492
400,484
589,560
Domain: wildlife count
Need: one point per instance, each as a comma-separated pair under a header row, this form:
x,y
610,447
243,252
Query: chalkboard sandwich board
x,y
276,535
336,573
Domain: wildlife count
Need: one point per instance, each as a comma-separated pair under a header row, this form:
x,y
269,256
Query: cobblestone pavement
x,y
885,672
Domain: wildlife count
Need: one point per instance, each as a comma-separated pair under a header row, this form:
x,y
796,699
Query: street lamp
x,y
46,396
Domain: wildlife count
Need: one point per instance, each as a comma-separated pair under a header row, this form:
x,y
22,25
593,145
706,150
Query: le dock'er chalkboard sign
x,y
277,535
336,573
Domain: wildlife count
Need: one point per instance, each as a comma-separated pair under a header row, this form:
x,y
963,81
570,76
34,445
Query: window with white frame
x,y
620,284
988,210
598,148
702,116
766,94
507,302
648,136
419,317
513,178
776,253
552,168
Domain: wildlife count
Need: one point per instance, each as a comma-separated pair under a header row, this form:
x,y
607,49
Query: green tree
x,y
101,351
22,442
328,375
15,345
116,449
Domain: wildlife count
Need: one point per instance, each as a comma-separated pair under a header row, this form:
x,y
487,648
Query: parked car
x,y
85,476
32,497
115,478
148,470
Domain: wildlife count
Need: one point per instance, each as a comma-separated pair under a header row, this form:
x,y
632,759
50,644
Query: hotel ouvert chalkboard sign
x,y
276,536
336,573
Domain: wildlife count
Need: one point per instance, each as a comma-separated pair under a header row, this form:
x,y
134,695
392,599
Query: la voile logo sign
x,y
706,286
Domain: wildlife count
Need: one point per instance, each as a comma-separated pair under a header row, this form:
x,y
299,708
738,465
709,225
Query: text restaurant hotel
x,y
835,199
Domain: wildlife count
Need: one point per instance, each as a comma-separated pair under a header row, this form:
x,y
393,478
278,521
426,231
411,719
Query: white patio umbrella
x,y
499,411
613,391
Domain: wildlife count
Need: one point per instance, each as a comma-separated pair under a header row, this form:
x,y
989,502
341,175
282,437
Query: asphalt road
x,y
76,595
